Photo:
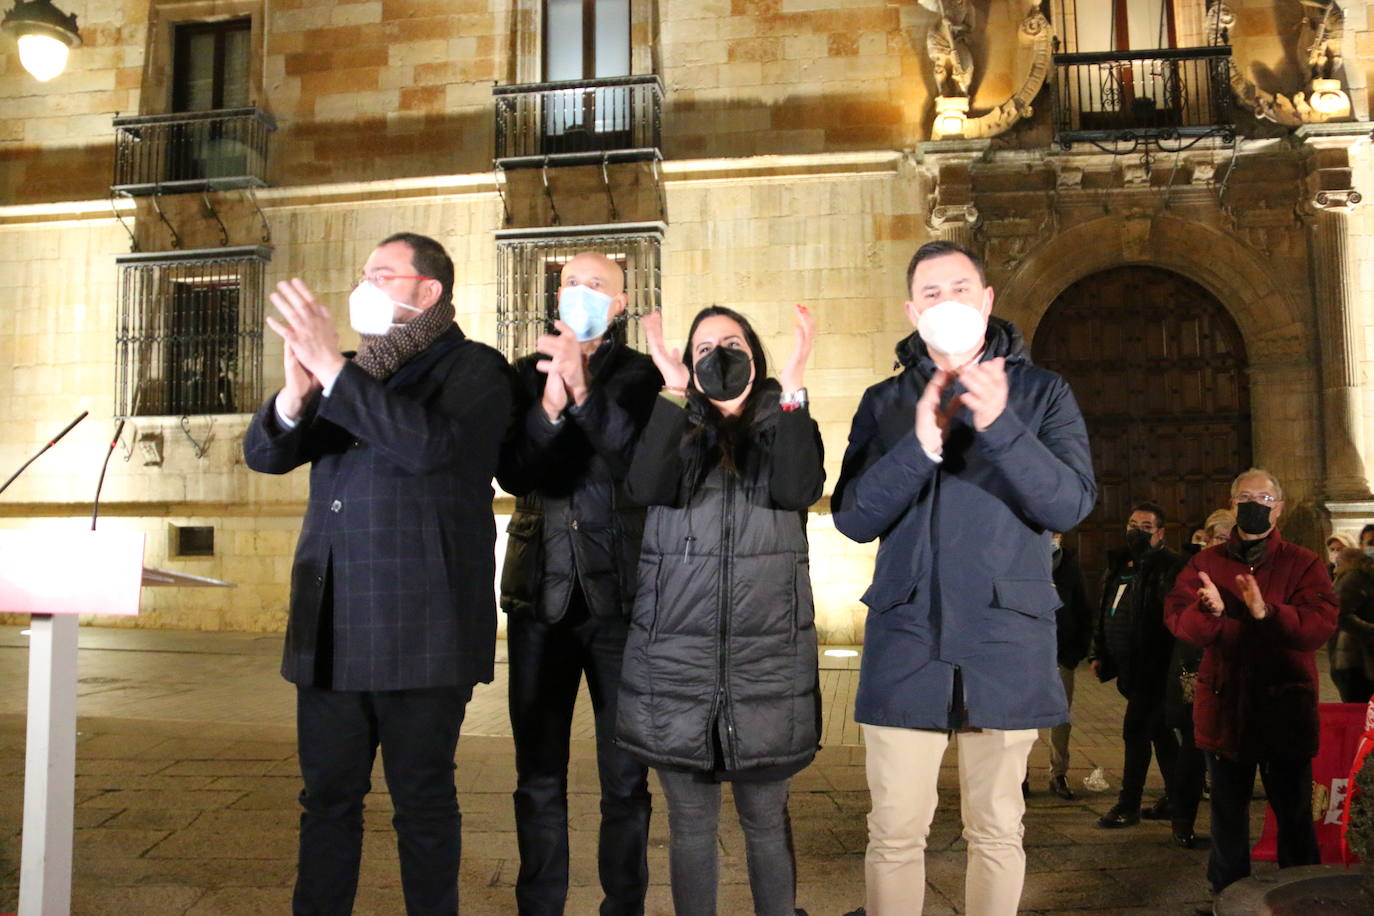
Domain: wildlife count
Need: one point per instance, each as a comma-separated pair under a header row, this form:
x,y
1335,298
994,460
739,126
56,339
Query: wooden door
x,y
1158,367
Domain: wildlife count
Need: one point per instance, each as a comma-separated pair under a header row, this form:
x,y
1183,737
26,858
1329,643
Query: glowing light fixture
x,y
1328,98
951,113
45,35
841,653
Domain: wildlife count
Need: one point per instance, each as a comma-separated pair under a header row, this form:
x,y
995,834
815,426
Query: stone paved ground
x,y
187,782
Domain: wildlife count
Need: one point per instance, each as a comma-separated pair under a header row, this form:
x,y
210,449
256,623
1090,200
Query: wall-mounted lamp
x,y
951,113
1328,98
45,35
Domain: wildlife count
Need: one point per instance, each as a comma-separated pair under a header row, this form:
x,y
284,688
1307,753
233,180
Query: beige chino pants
x,y
903,768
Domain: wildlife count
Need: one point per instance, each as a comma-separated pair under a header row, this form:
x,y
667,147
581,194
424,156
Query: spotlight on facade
x,y
45,35
951,113
841,653
1328,98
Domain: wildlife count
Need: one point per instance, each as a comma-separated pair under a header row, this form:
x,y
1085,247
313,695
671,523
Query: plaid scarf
x,y
380,355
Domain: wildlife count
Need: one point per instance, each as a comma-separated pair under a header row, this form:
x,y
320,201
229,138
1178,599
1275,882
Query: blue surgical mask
x,y
585,310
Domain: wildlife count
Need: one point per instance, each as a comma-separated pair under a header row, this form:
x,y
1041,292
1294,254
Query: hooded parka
x,y
961,621
720,665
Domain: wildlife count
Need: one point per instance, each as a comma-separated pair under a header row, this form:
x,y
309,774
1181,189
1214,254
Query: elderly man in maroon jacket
x,y
1260,607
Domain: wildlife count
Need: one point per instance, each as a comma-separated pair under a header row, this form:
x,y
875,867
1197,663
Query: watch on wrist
x,y
794,400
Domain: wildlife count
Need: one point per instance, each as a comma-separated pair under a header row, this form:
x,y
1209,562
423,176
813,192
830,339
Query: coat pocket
x,y
801,591
524,563
1031,597
885,594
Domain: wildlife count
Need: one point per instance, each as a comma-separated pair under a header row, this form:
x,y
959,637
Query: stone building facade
x,y
1169,204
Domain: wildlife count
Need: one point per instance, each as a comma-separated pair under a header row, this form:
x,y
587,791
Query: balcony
x,y
1133,96
194,151
579,122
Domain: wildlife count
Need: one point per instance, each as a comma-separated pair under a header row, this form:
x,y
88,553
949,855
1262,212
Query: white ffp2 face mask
x,y
952,328
370,309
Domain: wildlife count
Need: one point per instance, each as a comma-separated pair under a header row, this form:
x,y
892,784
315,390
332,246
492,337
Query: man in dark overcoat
x,y
393,615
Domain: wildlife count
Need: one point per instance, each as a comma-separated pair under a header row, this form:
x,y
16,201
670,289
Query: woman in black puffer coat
x,y
720,681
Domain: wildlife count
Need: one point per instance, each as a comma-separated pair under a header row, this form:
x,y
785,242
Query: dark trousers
x,y
693,863
1352,685
338,733
1288,783
1143,726
1190,770
547,662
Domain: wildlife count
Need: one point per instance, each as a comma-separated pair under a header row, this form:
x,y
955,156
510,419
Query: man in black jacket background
x,y
1133,645
393,618
568,584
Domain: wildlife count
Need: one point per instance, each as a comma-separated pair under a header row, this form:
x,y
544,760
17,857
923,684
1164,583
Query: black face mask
x,y
1137,541
1252,518
723,374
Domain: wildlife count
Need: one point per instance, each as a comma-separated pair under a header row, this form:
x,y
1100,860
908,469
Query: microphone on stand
x,y
95,503
51,442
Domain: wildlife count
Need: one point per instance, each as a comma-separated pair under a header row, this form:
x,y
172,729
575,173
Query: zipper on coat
x,y
730,751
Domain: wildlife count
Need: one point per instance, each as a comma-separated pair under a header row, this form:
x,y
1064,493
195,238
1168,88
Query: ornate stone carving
x,y
1322,29
947,46
943,216
1344,199
1204,171
1067,177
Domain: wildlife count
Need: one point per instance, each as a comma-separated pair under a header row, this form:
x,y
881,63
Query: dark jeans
x,y
338,732
1143,726
547,662
1288,783
693,817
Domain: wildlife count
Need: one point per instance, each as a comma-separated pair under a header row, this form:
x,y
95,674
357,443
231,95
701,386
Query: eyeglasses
x,y
1267,499
383,279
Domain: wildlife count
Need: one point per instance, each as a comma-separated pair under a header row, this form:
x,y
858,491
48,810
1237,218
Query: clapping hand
x,y
1210,596
566,369
669,363
309,329
932,420
792,373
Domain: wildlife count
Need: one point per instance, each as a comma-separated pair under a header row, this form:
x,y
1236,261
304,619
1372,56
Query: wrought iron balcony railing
x,y
1171,93
616,118
193,151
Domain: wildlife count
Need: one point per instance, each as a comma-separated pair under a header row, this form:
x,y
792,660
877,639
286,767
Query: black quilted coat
x,y
720,666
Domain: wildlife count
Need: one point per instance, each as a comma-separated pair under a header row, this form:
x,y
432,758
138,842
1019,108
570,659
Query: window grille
x,y
189,338
529,262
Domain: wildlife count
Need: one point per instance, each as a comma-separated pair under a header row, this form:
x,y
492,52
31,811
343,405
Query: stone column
x,y
1326,207
948,169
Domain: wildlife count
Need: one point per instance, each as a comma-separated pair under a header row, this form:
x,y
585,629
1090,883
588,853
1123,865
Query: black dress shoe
x,y
1185,839
1159,811
1060,786
1119,816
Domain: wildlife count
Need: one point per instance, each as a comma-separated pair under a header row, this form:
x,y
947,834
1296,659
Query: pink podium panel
x,y
71,572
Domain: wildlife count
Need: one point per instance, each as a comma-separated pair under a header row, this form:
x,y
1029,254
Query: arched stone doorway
x,y
1160,370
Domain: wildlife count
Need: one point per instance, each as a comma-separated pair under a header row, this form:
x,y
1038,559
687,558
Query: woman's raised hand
x,y
669,363
792,373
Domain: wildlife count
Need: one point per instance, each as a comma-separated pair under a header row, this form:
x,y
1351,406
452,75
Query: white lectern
x,y
54,576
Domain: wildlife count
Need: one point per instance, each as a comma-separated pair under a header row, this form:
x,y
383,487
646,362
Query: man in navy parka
x,y
961,465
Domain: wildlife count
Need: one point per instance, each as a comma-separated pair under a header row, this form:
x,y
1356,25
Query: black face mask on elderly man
x,y
723,373
1252,518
